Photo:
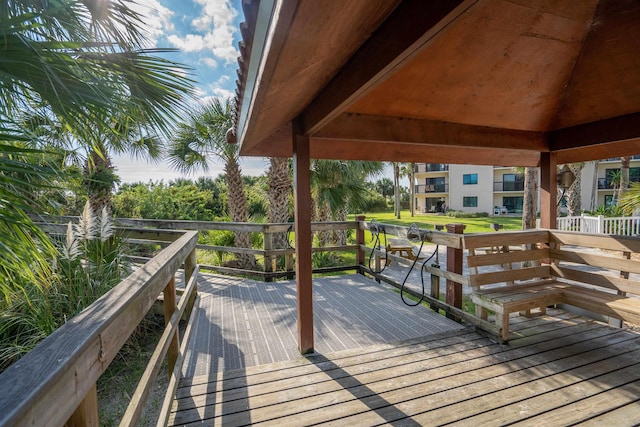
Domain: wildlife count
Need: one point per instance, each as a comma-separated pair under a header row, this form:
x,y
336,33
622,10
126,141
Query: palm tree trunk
x,y
324,215
624,176
396,189
412,188
530,202
237,203
99,178
594,190
574,202
279,192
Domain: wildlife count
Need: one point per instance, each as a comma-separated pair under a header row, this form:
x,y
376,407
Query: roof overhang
x,y
491,82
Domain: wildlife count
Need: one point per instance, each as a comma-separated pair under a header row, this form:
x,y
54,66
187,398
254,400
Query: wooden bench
x,y
535,269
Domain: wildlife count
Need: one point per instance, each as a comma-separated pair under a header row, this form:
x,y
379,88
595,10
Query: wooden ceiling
x,y
493,82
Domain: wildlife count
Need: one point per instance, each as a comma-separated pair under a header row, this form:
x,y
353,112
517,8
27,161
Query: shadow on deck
x,y
561,369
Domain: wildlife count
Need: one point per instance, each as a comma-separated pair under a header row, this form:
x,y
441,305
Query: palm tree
x,y
407,170
530,202
336,186
396,189
204,136
573,193
630,201
279,193
624,176
614,178
76,62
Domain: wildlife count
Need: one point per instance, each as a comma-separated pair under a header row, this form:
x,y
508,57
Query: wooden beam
x,y
302,201
405,152
548,190
604,131
396,129
411,26
629,147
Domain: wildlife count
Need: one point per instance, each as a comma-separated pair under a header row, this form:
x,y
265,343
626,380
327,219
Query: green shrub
x,y
90,262
463,214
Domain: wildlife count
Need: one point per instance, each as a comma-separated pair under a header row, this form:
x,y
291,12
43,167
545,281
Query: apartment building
x,y
500,190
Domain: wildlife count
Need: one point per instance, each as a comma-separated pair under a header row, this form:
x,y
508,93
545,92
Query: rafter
x,y
407,30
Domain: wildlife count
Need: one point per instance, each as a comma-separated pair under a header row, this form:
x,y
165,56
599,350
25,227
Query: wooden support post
x,y
169,307
304,278
268,259
435,289
189,267
548,190
454,264
86,414
360,241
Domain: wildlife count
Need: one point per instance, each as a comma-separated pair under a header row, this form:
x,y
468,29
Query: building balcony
x,y
432,188
431,167
609,184
508,186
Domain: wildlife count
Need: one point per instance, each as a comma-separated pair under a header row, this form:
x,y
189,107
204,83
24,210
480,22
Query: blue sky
x,y
207,33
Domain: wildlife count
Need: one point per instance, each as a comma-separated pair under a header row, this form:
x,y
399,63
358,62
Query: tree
x,y
396,189
202,136
624,176
279,194
573,193
384,186
530,202
408,171
336,186
630,201
74,62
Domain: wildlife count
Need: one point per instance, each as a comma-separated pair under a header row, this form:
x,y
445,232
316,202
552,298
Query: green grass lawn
x,y
473,225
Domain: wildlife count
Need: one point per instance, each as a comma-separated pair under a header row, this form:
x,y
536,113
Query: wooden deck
x,y
561,370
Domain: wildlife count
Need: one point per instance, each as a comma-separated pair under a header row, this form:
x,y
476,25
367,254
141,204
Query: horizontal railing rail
x,y
55,383
276,262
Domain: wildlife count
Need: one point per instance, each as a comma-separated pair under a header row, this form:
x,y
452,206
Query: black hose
x,y
375,238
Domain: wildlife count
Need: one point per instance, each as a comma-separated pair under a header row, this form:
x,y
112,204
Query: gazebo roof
x,y
491,82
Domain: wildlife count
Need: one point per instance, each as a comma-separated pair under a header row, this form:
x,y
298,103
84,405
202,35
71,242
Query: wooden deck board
x,y
564,369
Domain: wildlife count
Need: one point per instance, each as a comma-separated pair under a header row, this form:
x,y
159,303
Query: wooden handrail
x,y
49,383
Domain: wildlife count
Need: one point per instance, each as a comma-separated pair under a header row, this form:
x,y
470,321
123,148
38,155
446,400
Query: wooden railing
x,y
55,383
622,226
276,263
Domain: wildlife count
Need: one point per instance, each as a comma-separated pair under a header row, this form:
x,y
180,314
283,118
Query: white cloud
x,y
216,28
156,16
210,62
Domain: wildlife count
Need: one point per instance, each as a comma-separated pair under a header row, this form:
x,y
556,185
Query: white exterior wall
x,y
483,190
591,196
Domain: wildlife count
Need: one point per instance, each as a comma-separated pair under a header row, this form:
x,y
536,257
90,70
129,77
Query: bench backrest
x,y
606,261
506,257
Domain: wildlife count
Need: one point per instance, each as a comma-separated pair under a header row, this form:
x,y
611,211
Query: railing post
x,y
189,267
359,242
268,259
86,414
435,289
454,264
600,229
169,307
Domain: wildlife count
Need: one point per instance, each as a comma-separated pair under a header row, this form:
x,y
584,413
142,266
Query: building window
x,y
470,178
513,204
470,201
608,200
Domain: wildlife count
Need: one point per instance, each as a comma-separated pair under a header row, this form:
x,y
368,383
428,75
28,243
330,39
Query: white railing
x,y
623,226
